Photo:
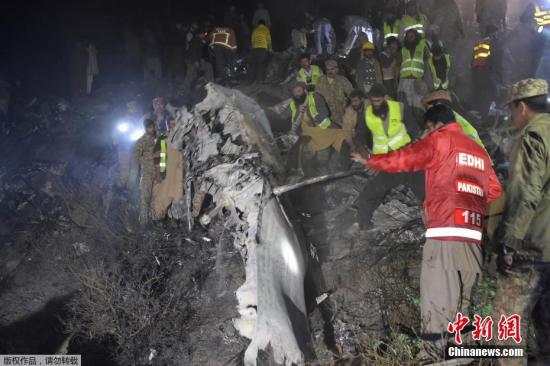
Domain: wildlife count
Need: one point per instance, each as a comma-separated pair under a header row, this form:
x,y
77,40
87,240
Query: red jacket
x,y
459,181
223,36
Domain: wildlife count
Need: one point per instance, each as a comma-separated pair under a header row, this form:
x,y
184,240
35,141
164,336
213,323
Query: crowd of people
x,y
385,99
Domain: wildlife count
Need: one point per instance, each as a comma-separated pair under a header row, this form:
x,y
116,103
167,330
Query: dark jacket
x,y
526,221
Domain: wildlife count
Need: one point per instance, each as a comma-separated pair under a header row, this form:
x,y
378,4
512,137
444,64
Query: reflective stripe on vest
x,y
442,232
312,111
397,132
313,79
162,164
542,17
438,84
413,66
482,51
414,23
392,31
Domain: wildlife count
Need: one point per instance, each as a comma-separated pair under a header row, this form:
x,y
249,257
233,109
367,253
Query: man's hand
x,y
505,260
358,158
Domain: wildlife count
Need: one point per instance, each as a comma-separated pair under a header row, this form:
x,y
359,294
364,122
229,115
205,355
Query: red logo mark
x,y
483,328
509,328
459,324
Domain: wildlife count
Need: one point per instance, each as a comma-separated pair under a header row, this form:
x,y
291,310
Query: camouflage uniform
x,y
145,157
335,91
525,228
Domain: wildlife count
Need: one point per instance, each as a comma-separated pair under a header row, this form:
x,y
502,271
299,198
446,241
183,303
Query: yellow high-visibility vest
x,y
542,17
482,52
414,23
438,83
261,37
412,66
310,80
162,164
468,129
391,31
312,111
397,136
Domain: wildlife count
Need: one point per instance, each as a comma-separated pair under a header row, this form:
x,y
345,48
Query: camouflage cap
x,y
435,95
527,88
331,63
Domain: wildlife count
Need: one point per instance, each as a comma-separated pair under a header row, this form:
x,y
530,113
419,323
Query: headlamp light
x,y
123,127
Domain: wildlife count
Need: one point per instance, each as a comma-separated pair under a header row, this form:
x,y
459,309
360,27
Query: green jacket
x,y
527,215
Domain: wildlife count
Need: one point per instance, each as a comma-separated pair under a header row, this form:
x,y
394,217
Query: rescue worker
x,y
144,158
483,70
380,129
368,71
390,61
325,38
359,31
310,119
413,20
223,45
261,47
440,67
459,184
168,188
353,116
414,78
523,237
159,115
298,37
122,140
443,97
335,89
392,26
308,73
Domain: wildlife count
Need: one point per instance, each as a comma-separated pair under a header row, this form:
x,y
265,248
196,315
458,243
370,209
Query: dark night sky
x,y
36,36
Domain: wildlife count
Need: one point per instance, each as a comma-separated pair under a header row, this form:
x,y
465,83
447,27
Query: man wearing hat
x,y
335,89
523,237
159,114
368,71
459,183
310,118
144,158
443,97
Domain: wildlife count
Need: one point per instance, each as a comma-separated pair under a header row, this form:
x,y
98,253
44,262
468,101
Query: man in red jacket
x,y
460,182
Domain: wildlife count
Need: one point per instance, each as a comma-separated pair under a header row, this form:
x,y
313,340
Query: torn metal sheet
x,y
233,157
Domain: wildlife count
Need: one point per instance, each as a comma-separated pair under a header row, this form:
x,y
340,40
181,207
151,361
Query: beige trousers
x,y
449,271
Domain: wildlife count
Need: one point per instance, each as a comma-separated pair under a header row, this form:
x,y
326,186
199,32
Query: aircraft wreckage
x,y
232,157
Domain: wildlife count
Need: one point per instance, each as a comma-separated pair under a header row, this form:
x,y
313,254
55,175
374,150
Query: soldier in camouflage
x,y
144,157
523,285
335,89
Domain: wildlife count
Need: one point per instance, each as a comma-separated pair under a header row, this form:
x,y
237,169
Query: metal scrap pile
x,y
232,164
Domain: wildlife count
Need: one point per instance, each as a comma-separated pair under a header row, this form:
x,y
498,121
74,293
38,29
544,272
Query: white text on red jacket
x,y
463,186
470,161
